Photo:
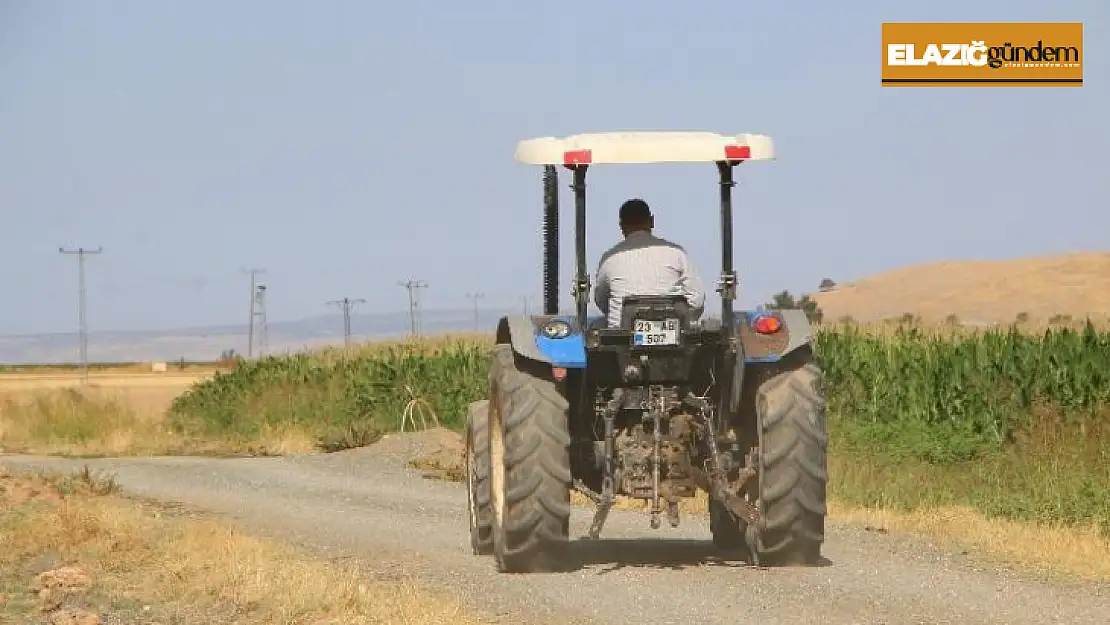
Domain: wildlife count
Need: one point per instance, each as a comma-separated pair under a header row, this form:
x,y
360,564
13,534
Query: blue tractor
x,y
655,408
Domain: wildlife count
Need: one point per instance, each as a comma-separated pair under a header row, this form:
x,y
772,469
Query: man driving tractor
x,y
644,264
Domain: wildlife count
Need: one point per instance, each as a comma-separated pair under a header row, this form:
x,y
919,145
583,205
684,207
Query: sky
x,y
346,146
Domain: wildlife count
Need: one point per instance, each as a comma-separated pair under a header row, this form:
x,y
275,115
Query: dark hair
x,y
635,211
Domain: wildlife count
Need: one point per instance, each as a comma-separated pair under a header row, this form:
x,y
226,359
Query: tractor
x,y
655,408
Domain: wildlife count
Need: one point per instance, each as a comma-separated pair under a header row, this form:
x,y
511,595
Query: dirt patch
x,y
16,492
438,452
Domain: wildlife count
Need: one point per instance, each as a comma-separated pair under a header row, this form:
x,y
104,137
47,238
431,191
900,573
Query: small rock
x,y
67,577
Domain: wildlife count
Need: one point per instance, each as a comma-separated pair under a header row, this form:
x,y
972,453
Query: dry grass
x,y
977,290
99,554
118,421
1030,546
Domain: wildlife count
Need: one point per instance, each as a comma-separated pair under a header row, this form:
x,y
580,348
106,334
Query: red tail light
x,y
767,324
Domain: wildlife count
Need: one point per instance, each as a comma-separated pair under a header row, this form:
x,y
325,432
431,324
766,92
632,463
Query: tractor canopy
x,y
641,147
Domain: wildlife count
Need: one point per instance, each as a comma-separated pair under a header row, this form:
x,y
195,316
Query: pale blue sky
x,y
347,145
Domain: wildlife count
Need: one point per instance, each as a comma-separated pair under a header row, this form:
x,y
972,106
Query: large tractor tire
x,y
477,478
530,476
793,469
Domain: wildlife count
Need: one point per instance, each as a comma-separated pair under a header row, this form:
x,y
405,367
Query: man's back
x,y
644,264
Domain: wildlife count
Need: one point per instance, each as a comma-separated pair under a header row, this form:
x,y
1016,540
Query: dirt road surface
x,y
366,504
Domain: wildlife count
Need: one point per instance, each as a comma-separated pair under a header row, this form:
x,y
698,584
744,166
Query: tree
x,y
784,300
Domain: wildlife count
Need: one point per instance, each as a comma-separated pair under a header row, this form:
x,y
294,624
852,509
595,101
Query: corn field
x,y
913,393
951,398
324,391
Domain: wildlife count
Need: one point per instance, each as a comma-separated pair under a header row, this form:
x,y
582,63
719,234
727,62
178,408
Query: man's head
x,y
635,216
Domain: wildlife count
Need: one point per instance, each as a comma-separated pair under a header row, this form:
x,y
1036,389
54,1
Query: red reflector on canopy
x,y
577,157
738,152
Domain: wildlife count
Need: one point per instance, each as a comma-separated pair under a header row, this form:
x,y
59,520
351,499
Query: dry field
x,y
147,393
979,291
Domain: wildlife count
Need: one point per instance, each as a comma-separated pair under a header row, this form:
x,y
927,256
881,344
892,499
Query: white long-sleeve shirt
x,y
644,264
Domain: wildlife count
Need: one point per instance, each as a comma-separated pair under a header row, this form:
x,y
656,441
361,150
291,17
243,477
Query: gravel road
x,y
368,505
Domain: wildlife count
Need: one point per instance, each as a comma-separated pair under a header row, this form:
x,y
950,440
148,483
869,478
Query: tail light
x,y
767,324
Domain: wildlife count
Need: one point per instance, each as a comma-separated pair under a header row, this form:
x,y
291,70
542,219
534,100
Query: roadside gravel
x,y
368,505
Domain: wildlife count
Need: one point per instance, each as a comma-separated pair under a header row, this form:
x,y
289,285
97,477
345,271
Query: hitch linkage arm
x,y
716,476
607,497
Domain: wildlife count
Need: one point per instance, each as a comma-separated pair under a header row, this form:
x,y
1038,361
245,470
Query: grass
x,y
338,396
70,545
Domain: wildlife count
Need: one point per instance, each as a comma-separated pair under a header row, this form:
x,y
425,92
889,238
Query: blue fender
x,y
526,335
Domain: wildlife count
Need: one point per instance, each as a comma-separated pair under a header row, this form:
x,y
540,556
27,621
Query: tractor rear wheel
x,y
793,469
530,476
477,478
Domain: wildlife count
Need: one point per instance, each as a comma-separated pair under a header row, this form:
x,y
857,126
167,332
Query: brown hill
x,y
980,291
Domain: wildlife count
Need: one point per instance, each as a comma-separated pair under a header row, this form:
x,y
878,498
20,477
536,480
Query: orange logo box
x,y
1003,54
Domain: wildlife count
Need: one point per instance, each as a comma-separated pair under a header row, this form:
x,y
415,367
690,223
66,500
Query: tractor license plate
x,y
651,332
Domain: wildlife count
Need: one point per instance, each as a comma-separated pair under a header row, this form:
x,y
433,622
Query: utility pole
x,y
476,297
254,273
526,299
260,312
412,286
83,328
346,304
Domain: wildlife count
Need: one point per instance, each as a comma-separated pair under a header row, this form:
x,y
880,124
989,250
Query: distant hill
x,y
207,343
1075,284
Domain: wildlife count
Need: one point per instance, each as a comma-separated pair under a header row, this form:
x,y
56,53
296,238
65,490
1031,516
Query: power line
x,y
413,286
346,304
83,328
476,297
254,295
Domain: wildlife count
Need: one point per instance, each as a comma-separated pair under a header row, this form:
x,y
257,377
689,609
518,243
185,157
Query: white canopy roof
x,y
644,147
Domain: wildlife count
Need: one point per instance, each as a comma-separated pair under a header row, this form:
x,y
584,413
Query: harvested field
x,y
1076,285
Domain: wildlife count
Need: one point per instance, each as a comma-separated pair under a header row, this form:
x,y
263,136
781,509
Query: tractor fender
x,y
762,348
525,334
